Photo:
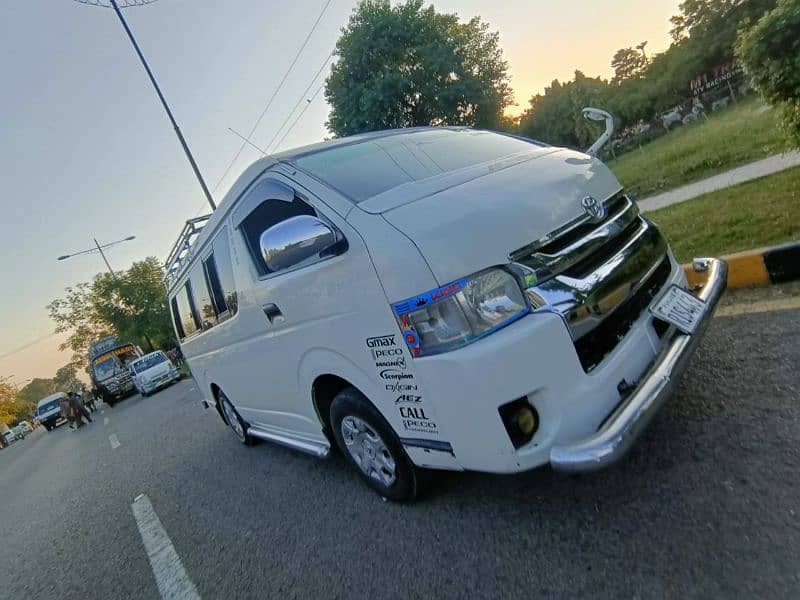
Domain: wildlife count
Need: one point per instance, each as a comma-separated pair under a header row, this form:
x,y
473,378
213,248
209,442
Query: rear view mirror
x,y
295,240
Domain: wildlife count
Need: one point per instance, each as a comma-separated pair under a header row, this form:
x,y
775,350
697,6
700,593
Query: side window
x,y
202,298
264,216
219,274
185,312
176,318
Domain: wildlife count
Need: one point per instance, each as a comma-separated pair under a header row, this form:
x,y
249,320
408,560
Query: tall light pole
x,y
116,5
641,47
99,248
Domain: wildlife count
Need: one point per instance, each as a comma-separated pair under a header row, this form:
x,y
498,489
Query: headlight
x,y
460,312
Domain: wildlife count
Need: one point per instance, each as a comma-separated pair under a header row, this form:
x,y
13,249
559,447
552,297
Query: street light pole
x,y
99,248
177,129
105,260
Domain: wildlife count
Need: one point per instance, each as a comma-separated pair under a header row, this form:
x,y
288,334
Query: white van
x,y
435,297
48,411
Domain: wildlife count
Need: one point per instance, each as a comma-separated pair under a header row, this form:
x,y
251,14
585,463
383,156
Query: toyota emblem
x,y
596,210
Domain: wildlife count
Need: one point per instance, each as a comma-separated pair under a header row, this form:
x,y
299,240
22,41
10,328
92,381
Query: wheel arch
x,y
215,390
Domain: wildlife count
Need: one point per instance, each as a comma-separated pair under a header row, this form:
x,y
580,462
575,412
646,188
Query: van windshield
x,y
148,362
48,407
366,169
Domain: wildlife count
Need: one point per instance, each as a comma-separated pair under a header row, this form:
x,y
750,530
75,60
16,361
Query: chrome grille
x,y
598,276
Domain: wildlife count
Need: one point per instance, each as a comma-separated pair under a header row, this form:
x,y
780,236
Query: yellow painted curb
x,y
745,269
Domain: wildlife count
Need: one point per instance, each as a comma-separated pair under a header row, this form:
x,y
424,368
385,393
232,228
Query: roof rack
x,y
181,251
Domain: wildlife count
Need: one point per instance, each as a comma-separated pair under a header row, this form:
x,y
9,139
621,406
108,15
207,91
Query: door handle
x,y
274,314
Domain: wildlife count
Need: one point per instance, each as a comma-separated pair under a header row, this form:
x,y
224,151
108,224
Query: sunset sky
x,y
87,150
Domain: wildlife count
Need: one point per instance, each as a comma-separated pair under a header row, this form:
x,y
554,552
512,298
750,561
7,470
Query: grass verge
x,y
762,212
737,135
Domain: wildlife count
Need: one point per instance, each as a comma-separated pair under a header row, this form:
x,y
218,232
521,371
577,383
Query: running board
x,y
318,449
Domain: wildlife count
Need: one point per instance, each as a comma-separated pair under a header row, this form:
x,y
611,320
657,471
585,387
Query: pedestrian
x,y
88,401
78,409
66,411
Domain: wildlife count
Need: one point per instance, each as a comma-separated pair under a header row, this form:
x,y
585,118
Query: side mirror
x,y
295,240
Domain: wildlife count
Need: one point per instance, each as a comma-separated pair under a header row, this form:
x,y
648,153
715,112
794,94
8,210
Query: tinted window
x,y
185,312
176,318
202,297
49,406
148,362
264,216
368,168
221,282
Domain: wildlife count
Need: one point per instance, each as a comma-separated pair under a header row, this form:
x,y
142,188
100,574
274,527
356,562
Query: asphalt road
x,y
706,505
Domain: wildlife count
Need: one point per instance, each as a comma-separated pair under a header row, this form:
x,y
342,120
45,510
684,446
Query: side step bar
x,y
318,449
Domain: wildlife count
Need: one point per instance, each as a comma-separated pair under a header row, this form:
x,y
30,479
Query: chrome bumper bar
x,y
626,423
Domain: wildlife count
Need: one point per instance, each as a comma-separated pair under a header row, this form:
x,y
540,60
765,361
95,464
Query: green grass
x,y
737,135
758,213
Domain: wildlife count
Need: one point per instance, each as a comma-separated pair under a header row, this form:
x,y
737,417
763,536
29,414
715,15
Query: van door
x,y
323,304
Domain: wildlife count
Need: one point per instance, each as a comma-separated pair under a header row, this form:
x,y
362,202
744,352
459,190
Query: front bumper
x,y
621,429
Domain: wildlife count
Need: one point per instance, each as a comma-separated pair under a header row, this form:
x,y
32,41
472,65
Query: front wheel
x,y
236,423
369,444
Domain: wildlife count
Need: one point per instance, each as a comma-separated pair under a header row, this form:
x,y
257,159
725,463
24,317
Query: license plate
x,y
679,308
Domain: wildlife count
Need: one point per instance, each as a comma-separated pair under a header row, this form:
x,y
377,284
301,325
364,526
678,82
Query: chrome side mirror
x,y
295,240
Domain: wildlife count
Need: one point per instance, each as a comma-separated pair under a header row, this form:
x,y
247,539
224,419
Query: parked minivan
x,y
48,411
442,298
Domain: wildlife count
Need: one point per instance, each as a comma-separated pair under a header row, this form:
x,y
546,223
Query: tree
x,y
134,304
76,314
627,63
12,410
408,65
770,53
66,379
714,24
556,118
131,305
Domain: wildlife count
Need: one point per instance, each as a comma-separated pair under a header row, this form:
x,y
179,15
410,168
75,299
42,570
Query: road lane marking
x,y
171,578
114,441
105,420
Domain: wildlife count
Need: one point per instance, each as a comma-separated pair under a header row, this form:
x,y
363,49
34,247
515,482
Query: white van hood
x,y
476,224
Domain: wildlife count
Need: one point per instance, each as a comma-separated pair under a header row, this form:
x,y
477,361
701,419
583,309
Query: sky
x,y
88,152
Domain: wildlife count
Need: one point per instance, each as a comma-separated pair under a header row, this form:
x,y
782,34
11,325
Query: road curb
x,y
758,268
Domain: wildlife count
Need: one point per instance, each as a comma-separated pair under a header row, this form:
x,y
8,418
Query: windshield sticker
x,y
430,297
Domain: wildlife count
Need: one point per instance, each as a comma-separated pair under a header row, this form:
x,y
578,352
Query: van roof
x,y
198,230
50,398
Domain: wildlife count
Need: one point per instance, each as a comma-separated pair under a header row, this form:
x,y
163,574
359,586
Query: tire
x,y
48,427
369,444
238,425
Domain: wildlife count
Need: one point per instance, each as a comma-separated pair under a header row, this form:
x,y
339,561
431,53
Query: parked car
x,y
8,437
152,372
28,427
20,431
435,297
48,411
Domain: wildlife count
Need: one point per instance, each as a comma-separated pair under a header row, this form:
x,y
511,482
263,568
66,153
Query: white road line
x,y
114,441
105,420
170,576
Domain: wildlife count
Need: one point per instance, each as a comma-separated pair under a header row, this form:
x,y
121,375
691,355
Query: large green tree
x,y
555,116
627,63
132,305
407,65
770,52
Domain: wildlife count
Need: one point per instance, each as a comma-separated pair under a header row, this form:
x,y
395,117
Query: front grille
x,y
595,345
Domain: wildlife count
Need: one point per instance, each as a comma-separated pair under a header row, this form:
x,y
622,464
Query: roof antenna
x,y
245,140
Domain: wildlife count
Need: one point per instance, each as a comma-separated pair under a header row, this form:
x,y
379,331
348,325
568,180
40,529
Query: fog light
x,y
526,420
520,420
